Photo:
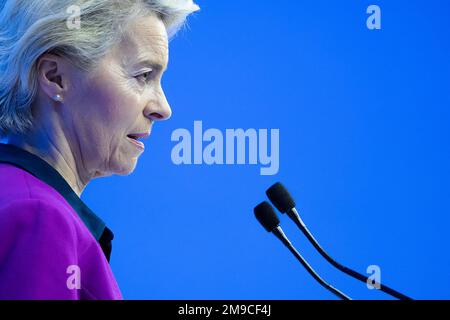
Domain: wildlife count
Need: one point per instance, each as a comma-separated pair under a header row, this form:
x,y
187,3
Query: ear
x,y
53,75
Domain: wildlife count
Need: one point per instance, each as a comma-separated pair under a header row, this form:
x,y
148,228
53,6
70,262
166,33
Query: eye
x,y
146,76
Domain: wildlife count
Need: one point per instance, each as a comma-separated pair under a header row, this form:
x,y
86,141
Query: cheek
x,y
113,107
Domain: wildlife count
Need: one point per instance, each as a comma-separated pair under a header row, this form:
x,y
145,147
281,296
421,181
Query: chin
x,y
125,169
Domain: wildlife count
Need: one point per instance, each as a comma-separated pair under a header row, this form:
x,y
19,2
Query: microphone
x,y
266,215
283,201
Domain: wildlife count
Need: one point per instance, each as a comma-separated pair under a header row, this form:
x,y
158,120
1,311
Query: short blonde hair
x,y
30,28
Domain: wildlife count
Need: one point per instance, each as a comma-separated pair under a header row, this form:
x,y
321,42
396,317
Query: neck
x,y
56,152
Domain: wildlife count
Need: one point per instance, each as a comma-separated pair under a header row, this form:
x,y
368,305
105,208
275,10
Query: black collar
x,y
46,173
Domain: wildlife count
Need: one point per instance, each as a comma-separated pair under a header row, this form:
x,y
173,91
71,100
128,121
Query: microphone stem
x,y
278,232
293,214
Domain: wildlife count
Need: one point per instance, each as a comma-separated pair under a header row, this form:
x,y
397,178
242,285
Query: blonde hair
x,y
30,28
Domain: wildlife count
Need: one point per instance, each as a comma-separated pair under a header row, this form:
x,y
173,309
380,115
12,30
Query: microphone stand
x,y
278,232
293,214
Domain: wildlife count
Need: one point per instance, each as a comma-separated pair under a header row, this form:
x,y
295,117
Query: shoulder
x,y
38,223
21,185
29,206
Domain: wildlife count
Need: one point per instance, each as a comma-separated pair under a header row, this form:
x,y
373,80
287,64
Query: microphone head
x,y
280,197
265,214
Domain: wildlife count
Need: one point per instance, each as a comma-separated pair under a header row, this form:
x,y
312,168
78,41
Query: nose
x,y
159,109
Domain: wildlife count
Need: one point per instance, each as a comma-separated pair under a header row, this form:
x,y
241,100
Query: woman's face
x,y
121,98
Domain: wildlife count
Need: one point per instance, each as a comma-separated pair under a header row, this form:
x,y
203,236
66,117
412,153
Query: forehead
x,y
145,40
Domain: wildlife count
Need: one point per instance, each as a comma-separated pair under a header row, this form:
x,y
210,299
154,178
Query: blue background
x,y
364,125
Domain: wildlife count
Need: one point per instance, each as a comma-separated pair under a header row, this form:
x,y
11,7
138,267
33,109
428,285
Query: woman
x,y
80,87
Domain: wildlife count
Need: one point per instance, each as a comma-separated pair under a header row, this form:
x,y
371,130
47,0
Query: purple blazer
x,y
52,246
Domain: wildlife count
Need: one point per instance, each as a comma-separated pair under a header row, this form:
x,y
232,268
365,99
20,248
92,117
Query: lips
x,y
137,136
134,138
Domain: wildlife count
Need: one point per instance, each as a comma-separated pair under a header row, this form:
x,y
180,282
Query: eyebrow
x,y
153,64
